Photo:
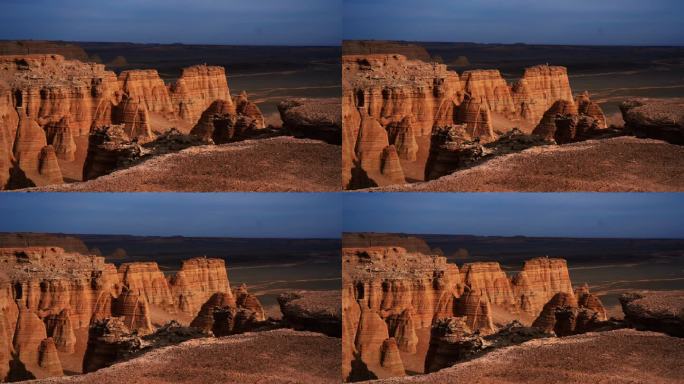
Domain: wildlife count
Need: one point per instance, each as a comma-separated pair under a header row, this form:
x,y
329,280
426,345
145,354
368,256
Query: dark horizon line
x,y
515,236
170,236
519,43
177,43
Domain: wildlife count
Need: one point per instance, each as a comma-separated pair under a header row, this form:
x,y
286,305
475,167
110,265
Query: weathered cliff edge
x,y
67,311
391,297
48,104
407,120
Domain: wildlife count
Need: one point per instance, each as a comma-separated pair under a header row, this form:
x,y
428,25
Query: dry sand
x,y
281,164
609,165
280,356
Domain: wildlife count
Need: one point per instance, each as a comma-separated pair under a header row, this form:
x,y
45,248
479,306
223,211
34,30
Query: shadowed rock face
x,y
452,341
389,88
655,118
656,311
389,292
68,99
61,330
225,121
61,136
567,122
205,318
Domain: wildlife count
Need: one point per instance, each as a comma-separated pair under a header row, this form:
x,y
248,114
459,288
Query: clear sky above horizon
x,y
578,22
285,215
626,215
239,22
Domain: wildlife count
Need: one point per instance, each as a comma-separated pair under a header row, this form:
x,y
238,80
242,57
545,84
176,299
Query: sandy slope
x,y
268,165
280,356
609,165
622,356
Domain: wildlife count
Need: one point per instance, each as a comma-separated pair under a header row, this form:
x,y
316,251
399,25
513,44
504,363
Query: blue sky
x,y
291,215
595,22
644,215
259,22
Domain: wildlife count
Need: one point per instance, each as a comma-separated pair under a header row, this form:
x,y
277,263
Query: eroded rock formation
x,y
656,311
412,99
391,293
655,118
196,88
145,279
46,99
196,281
317,311
49,298
225,121
313,118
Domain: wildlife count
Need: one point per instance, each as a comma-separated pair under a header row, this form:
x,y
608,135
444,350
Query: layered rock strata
x,y
196,88
410,99
50,297
47,99
196,281
389,292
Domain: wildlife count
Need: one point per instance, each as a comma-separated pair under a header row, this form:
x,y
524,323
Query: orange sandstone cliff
x,y
393,297
50,298
390,100
49,106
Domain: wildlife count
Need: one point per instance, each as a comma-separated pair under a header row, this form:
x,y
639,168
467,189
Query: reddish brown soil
x,y
621,164
282,164
280,356
623,356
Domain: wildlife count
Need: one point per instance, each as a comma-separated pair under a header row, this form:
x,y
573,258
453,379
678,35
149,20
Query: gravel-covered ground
x,y
615,357
281,164
280,356
608,165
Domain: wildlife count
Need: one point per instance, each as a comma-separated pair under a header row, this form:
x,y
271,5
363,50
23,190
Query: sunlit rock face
x,y
52,299
392,296
196,88
411,99
48,100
